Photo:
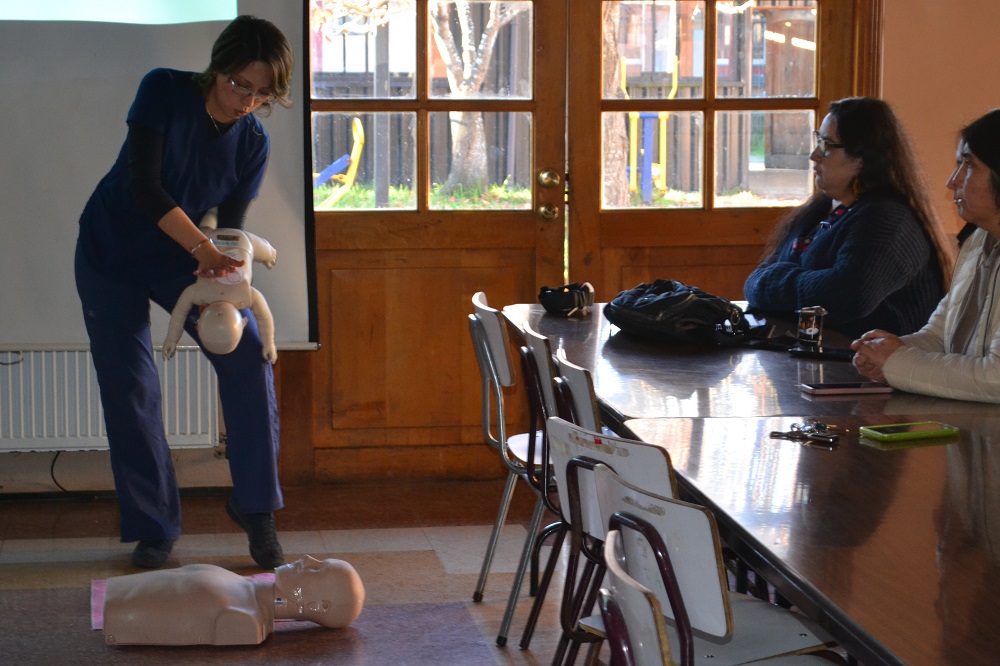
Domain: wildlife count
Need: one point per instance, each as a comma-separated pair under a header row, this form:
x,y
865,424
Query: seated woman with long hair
x,y
867,245
957,353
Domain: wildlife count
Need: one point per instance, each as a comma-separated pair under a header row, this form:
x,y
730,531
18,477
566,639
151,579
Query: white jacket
x,y
923,365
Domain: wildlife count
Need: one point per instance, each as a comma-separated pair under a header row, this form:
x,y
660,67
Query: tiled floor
x,y
417,546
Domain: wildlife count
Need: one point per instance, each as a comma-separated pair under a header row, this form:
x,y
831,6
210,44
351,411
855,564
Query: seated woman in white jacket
x,y
957,353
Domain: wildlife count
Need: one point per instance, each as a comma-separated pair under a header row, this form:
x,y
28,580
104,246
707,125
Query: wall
x,y
281,204
70,85
939,72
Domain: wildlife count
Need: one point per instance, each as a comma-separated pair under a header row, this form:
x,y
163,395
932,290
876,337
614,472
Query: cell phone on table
x,y
830,353
903,431
841,388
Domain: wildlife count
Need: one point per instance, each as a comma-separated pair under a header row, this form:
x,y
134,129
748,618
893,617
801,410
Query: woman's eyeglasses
x,y
244,92
824,145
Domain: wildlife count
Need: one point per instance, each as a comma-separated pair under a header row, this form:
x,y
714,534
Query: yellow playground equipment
x,y
642,176
336,170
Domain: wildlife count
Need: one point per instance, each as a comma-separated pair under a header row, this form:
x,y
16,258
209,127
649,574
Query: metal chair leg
x,y
536,607
589,600
505,499
589,589
566,647
515,590
742,576
593,654
536,554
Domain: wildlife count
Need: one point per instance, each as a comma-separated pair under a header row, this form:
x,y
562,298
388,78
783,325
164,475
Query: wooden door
x,y
728,145
394,390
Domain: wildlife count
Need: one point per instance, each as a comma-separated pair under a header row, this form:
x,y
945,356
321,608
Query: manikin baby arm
x,y
263,251
177,317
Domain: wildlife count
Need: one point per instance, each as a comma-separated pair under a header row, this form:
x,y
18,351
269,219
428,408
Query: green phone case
x,y
924,430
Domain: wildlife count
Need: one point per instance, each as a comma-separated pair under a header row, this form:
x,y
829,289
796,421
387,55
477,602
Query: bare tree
x,y
340,16
467,56
615,137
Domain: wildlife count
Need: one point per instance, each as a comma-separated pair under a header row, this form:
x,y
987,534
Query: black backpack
x,y
670,311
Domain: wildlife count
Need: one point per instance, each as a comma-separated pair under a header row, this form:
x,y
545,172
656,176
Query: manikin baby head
x,y
328,592
220,327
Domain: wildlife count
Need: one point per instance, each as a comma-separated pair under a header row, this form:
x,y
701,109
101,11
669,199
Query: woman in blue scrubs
x,y
194,143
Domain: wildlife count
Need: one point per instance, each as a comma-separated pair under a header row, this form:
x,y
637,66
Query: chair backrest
x,y
497,339
633,616
541,351
493,400
538,475
648,464
691,540
581,388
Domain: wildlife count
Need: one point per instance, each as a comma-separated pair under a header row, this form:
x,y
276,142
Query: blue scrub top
x,y
200,170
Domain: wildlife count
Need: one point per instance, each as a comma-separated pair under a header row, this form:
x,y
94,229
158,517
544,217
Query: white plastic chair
x,y
633,619
545,361
572,449
488,328
566,390
586,410
538,368
670,549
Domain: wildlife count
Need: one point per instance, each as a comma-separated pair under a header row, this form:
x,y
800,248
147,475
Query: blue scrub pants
x,y
116,313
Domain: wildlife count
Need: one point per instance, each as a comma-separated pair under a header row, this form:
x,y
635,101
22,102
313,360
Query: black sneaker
x,y
152,554
264,546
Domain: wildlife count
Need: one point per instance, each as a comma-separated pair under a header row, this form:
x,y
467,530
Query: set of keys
x,y
811,432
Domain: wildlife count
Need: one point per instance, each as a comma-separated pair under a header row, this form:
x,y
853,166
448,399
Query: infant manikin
x,y
203,604
220,323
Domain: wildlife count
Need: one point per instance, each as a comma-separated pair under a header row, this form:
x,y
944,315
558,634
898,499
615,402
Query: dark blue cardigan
x,y
873,267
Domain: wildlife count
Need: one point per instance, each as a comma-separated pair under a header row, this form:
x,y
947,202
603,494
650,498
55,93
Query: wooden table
x,y
896,553
639,379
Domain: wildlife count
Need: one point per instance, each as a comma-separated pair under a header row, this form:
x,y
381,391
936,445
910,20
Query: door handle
x,y
549,178
547,211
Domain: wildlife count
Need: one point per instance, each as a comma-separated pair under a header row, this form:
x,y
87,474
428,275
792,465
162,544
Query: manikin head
x,y
328,592
220,327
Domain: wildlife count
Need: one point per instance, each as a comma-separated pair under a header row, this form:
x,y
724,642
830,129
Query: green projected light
x,y
119,11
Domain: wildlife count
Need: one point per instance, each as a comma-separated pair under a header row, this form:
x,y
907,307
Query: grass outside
x,y
493,197
500,197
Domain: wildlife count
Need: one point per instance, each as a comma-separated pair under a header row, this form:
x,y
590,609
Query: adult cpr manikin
x,y
220,323
202,604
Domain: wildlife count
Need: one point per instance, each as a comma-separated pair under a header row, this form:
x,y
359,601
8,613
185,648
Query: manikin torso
x,y
203,604
199,604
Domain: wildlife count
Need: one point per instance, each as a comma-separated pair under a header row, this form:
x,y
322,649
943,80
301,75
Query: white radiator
x,y
50,401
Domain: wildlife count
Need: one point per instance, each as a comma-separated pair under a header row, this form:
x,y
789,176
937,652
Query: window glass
x,y
480,50
364,160
766,48
351,56
480,160
762,158
662,152
656,50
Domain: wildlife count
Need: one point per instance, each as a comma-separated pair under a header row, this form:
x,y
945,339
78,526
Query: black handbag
x,y
671,311
567,300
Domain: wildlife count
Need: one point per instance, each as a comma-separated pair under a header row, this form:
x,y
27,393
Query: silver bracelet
x,y
200,243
